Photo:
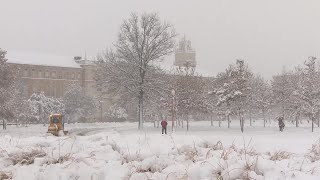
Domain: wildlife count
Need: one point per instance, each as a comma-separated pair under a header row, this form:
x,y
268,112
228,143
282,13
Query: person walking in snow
x,y
164,126
281,123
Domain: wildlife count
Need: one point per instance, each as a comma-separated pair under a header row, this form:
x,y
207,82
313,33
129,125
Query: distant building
x,y
52,74
185,55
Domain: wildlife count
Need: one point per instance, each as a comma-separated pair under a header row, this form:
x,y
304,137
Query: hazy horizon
x,y
267,34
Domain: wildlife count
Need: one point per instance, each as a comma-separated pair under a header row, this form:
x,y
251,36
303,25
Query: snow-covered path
x,y
119,151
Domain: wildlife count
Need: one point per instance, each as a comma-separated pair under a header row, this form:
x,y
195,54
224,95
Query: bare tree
x,y
141,41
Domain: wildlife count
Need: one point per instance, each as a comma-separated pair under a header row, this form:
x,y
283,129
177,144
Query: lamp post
x,y
173,94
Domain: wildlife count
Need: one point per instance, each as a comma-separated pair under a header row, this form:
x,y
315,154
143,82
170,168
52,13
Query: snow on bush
x,y
26,157
314,154
279,155
5,175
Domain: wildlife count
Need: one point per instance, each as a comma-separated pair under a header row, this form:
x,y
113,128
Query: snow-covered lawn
x,y
118,151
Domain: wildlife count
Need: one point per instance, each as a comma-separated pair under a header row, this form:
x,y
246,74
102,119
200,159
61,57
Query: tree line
x,y
128,72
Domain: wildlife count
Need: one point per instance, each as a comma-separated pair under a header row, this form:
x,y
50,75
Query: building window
x,y
53,75
40,74
25,73
66,74
52,90
20,72
48,90
78,76
34,89
46,74
72,75
34,73
29,74
60,75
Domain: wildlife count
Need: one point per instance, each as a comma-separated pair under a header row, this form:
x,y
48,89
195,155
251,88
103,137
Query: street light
x,y
173,94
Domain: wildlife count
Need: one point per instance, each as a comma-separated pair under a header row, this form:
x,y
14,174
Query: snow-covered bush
x,y
190,153
117,114
41,106
5,175
314,153
26,157
78,105
127,157
154,164
206,144
279,155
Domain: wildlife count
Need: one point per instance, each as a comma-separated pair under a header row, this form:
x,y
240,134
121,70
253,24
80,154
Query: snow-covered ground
x,y
118,151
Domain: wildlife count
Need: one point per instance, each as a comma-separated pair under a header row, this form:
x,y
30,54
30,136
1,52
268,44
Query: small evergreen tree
x,y
308,90
236,89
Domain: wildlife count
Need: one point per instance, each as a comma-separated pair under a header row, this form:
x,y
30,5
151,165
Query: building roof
x,y
40,59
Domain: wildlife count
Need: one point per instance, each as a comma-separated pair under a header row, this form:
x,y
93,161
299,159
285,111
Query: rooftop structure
x,y
185,55
41,59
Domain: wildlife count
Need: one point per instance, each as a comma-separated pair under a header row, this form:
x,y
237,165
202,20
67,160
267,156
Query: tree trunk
x,y
250,118
154,124
182,122
312,119
242,124
240,118
228,118
3,126
187,123
141,111
219,121
318,119
172,109
269,118
264,118
283,112
211,120
297,120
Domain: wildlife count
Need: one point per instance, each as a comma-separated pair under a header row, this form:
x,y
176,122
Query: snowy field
x,y
118,151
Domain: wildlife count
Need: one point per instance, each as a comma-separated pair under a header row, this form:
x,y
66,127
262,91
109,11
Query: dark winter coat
x,y
281,123
164,124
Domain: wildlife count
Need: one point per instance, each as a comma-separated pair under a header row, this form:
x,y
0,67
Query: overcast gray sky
x,y
268,34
